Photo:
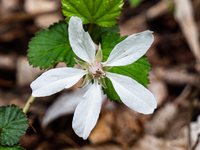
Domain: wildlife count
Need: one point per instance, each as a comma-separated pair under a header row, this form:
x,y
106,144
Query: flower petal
x,y
130,49
65,104
87,112
80,40
133,94
54,80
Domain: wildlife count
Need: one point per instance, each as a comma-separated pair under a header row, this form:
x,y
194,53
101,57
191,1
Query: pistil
x,y
96,70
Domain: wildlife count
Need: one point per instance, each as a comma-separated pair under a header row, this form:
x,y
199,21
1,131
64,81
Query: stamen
x,y
96,70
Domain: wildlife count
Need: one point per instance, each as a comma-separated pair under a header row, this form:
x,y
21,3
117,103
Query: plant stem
x,y
31,98
28,104
90,28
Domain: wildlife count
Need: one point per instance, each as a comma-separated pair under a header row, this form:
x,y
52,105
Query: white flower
x,y
131,93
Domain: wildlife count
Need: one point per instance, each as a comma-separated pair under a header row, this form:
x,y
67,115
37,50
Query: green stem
x,y
31,98
90,28
28,104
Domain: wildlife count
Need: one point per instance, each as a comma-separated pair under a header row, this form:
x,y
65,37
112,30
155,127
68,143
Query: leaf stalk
x,y
28,104
90,28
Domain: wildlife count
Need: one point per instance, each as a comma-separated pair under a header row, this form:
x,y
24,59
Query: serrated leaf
x,y
137,70
101,12
98,31
51,46
13,124
16,147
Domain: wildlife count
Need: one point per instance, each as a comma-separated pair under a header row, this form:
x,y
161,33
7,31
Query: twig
x,y
196,143
194,92
188,125
32,127
70,141
177,76
185,17
184,94
157,10
22,17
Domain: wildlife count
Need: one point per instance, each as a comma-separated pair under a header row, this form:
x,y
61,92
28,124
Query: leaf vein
x,y
78,11
106,12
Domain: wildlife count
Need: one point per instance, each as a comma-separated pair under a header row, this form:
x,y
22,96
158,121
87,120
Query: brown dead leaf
x,y
185,17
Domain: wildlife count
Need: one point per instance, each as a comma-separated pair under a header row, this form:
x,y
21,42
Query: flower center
x,y
96,70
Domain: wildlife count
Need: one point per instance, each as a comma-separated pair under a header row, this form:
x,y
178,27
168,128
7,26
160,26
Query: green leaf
x,y
101,12
98,31
13,124
135,3
51,46
16,147
137,70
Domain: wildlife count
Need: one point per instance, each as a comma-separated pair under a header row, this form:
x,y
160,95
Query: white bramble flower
x,y
131,93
